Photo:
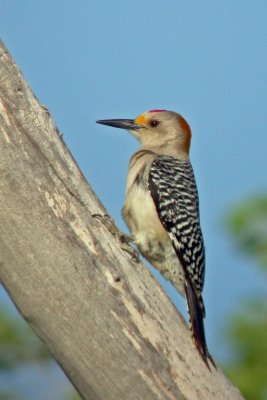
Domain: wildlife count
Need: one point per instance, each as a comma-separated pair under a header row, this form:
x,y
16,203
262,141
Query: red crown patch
x,y
155,111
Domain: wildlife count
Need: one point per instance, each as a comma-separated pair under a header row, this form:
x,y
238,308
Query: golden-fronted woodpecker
x,y
161,208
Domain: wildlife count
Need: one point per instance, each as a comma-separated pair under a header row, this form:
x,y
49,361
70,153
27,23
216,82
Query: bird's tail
x,y
196,311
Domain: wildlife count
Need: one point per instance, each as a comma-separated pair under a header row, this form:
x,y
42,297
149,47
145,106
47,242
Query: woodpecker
x,y
161,208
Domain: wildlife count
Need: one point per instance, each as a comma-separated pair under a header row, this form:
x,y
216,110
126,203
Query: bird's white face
x,y
158,125
156,128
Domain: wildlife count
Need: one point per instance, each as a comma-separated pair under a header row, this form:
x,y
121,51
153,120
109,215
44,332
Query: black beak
x,y
121,123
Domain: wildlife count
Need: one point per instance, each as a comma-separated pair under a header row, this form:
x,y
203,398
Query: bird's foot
x,y
120,237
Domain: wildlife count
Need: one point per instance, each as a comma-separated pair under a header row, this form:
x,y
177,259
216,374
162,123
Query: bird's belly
x,y
152,239
161,255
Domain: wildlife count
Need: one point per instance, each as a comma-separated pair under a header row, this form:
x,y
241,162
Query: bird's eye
x,y
154,123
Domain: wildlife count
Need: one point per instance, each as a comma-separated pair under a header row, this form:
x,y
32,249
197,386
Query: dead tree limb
x,y
103,317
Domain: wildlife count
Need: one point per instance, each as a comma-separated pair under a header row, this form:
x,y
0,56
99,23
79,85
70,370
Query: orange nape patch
x,y
141,119
186,128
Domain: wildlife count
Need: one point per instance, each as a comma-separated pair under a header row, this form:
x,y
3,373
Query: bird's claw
x,y
121,237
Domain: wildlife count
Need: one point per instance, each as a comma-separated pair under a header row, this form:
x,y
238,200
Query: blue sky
x,y
206,60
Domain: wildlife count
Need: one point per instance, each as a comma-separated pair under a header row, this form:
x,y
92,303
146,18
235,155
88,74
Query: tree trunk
x,y
103,317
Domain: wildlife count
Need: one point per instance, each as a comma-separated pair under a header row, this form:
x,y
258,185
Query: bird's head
x,y
156,128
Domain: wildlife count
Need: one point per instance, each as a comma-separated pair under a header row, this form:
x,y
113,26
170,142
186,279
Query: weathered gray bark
x,y
104,318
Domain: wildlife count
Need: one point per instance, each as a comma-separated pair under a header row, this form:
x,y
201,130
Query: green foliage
x,y
247,331
18,344
248,225
7,396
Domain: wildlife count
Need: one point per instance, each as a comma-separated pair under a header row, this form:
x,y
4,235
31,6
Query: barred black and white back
x,y
173,188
